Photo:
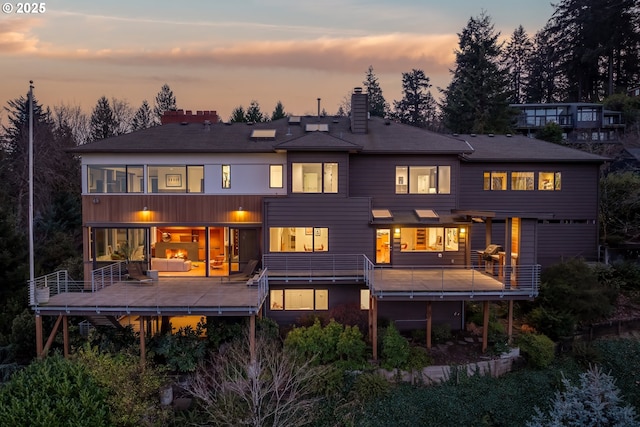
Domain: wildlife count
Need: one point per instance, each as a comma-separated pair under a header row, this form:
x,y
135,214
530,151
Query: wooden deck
x,y
447,283
167,296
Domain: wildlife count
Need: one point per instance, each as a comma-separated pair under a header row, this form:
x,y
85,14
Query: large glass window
x,y
423,179
299,299
522,181
275,176
118,244
298,239
587,114
495,180
115,179
175,179
550,181
430,239
314,177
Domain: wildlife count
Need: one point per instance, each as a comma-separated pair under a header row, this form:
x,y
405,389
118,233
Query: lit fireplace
x,y
176,253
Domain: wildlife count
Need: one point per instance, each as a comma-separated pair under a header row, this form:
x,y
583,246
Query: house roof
x,y
519,148
382,137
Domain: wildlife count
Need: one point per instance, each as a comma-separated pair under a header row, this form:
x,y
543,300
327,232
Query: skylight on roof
x,y
263,134
381,214
294,120
317,127
426,213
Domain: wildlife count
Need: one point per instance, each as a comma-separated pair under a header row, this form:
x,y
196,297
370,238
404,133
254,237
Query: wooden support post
x,y
373,307
429,325
252,337
143,350
510,323
65,336
39,353
485,325
47,346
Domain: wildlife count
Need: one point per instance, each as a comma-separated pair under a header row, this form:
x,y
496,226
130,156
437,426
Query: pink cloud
x,y
387,53
15,36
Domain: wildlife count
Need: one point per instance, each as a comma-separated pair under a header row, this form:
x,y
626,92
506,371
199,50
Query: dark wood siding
x,y
410,315
346,218
527,255
578,198
375,176
189,209
557,241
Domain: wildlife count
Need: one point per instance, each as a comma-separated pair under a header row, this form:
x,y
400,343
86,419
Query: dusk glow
x,y
217,55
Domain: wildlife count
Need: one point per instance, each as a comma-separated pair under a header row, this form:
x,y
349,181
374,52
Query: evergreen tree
x,y
546,83
417,106
378,107
598,46
103,121
595,402
143,118
516,57
238,115
165,101
254,115
278,112
476,99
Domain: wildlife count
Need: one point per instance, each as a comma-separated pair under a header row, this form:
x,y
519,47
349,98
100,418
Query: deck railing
x,y
108,275
43,287
314,267
451,281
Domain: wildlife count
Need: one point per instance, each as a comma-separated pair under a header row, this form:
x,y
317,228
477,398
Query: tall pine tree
x,y
143,118
417,106
516,58
165,101
378,106
103,121
476,99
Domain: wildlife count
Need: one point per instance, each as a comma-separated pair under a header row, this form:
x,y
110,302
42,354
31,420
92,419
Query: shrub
x,y
370,386
329,344
181,351
350,314
132,392
538,349
554,324
53,392
576,281
395,349
585,353
441,333
595,402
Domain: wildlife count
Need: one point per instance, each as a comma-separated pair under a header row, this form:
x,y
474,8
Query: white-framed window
x,y
115,179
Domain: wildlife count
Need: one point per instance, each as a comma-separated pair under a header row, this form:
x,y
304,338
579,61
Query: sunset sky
x,y
218,55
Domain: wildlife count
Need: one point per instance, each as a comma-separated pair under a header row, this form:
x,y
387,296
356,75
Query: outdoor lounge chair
x,y
135,273
246,273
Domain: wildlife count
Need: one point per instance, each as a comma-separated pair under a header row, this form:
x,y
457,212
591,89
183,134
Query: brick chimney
x,y
359,111
181,116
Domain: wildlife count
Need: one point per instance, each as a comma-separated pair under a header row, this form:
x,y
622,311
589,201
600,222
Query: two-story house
x,y
334,210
